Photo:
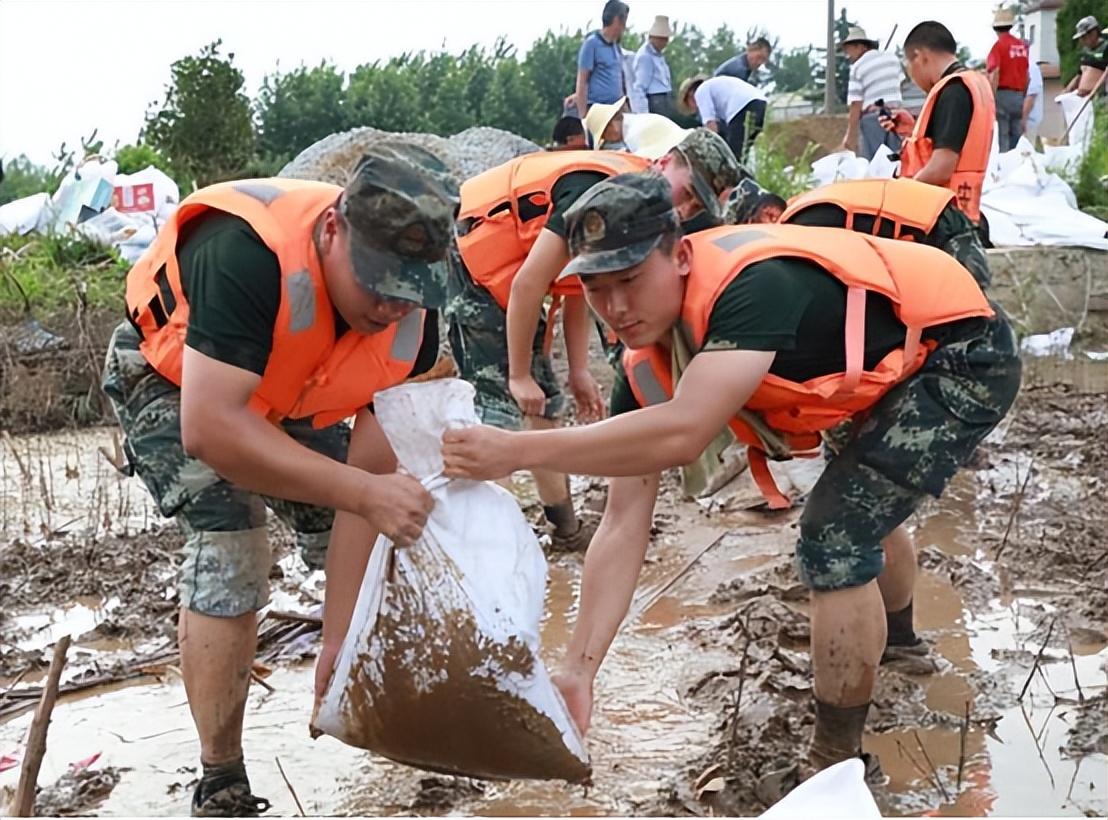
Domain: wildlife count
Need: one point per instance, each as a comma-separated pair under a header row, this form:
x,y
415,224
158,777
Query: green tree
x,y
551,68
387,96
794,70
1066,23
842,64
299,107
24,178
512,103
204,125
133,158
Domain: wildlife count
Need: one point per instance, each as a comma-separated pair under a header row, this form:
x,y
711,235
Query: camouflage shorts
x,y
909,446
225,571
479,342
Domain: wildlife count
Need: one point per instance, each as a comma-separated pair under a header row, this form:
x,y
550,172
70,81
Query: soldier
x,y
511,247
265,313
794,329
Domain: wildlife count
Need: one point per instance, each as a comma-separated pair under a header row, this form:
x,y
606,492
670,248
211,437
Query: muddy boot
x,y
224,791
837,736
905,651
571,534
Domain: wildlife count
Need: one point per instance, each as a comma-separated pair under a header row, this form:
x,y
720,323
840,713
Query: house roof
x,y
1044,5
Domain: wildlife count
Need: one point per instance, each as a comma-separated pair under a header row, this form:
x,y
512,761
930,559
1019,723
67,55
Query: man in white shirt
x,y
1033,102
874,81
731,107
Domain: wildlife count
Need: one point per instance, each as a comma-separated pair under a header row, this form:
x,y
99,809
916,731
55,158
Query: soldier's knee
x,y
225,574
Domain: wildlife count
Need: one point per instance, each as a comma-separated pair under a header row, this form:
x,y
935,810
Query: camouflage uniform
x,y
478,340
399,210
478,325
908,445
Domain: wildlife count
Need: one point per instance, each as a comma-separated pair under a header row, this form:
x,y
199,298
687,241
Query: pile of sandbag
x,y
94,200
466,154
440,668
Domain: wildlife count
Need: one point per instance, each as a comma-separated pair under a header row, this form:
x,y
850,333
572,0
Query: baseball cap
x,y
618,222
714,168
1085,25
400,205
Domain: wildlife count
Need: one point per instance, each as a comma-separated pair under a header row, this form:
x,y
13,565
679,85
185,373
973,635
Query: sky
x,y
69,66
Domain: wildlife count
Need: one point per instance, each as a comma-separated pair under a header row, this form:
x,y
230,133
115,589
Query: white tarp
x,y
1024,200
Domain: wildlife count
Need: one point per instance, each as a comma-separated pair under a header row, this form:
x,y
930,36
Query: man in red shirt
x,y
1008,72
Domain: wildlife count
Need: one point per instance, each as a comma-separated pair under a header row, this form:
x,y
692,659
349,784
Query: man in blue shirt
x,y
745,66
652,90
600,61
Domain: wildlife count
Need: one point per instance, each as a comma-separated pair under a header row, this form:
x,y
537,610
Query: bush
x,y
48,273
23,178
779,172
1090,183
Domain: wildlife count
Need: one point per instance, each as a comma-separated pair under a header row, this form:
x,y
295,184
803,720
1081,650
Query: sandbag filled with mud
x,y
440,668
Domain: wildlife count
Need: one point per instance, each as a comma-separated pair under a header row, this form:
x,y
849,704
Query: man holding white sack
x,y
266,313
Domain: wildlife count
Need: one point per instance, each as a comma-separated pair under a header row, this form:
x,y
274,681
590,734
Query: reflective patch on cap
x,y
738,238
409,333
648,384
301,296
259,190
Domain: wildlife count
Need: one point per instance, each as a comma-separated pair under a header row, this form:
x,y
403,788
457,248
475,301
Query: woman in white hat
x,y
652,90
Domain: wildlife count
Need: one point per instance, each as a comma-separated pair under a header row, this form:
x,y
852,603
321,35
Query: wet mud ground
x,y
1012,594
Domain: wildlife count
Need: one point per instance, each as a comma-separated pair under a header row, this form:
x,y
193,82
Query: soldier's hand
x,y
586,392
397,505
528,395
479,453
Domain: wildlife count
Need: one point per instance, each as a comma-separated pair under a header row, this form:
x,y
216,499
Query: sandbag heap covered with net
x,y
440,668
466,154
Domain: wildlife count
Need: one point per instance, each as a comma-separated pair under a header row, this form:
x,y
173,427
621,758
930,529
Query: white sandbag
x,y
883,165
149,191
24,215
440,668
838,791
839,166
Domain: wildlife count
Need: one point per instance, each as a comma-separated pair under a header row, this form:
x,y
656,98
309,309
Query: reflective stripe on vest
x,y
926,287
898,204
504,209
310,373
973,160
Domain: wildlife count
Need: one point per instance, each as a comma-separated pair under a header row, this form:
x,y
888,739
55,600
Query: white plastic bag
x,y
837,791
440,668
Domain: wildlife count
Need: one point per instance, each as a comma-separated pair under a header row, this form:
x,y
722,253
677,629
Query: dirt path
x,y
82,552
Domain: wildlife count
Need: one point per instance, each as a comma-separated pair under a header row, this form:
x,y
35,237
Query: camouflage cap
x,y
618,222
714,168
744,201
400,205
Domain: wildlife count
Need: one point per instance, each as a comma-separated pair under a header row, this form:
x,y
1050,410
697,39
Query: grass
x,y
779,171
49,273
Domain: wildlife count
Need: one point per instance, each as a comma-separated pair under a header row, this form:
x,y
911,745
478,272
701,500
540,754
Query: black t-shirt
x,y
950,119
1096,57
232,282
565,192
793,307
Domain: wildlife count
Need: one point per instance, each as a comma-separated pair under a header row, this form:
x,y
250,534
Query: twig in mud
x,y
15,682
681,573
23,805
1073,666
1038,660
292,791
258,679
294,617
1038,748
915,763
733,745
1016,504
962,735
23,471
934,771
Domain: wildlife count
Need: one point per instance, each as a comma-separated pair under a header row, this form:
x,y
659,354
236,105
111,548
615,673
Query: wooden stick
x,y
294,617
681,573
292,791
23,805
934,771
1038,660
962,735
258,679
1073,666
1015,507
732,746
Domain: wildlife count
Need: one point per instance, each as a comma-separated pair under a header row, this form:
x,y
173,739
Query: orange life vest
x,y
504,209
310,373
926,288
902,205
973,160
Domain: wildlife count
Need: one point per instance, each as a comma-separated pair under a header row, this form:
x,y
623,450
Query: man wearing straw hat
x,y
874,83
1008,69
652,78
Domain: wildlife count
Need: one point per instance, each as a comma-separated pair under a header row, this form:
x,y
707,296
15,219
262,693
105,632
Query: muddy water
x,y
645,729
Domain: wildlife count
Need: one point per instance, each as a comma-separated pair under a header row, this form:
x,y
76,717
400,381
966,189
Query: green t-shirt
x,y
795,308
232,282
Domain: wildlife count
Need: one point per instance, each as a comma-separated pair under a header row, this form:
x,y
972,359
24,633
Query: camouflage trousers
x,y
478,332
226,556
908,446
